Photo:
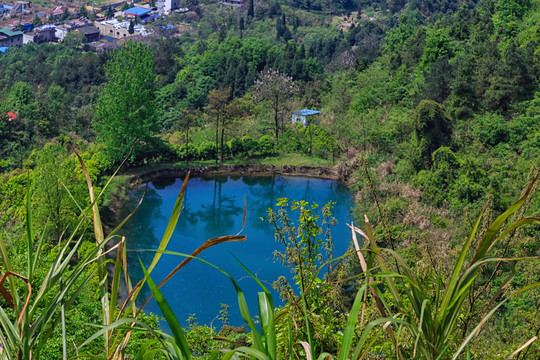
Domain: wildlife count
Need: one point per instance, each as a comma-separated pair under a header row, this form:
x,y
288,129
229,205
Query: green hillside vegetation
x,y
429,110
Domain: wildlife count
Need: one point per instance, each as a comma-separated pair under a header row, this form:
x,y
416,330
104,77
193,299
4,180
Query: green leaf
x,y
167,312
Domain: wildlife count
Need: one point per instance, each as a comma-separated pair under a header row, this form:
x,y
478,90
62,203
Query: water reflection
x,y
213,206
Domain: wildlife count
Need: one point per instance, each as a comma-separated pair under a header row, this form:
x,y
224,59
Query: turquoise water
x,y
213,207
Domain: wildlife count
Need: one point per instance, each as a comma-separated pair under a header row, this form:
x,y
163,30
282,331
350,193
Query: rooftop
x,y
137,11
3,49
89,30
8,32
306,112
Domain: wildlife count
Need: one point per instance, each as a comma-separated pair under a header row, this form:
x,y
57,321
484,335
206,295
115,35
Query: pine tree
x,y
83,12
279,29
241,27
36,21
131,28
251,9
109,13
65,14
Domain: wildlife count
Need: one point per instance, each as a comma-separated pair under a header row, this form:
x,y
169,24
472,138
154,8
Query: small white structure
x,y
166,6
61,32
301,116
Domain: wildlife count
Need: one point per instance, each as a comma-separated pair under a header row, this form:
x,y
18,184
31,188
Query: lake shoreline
x,y
119,195
333,173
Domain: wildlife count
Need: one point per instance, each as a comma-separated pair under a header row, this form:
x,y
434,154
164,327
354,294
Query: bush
x,y
187,150
236,146
250,145
207,150
290,139
266,145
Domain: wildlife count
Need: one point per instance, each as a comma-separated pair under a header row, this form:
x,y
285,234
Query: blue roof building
x,y
136,12
3,49
301,116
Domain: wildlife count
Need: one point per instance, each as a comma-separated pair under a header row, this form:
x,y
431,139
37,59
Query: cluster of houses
x,y
18,8
130,22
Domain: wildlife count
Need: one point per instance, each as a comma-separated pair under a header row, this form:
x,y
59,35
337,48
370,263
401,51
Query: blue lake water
x,y
214,206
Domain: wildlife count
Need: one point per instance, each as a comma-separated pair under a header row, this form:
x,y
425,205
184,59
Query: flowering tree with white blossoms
x,y
275,88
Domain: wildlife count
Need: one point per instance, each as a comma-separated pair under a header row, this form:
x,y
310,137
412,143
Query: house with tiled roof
x,y
10,38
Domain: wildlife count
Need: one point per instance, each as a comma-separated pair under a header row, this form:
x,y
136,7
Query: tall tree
x,y
251,10
219,111
125,116
275,89
241,27
109,13
131,28
186,119
36,21
432,129
83,12
65,14
54,171
437,80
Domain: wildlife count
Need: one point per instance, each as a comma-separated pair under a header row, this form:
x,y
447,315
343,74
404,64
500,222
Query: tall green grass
x,y
430,320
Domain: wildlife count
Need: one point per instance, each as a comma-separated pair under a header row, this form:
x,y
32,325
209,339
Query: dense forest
x,y
429,111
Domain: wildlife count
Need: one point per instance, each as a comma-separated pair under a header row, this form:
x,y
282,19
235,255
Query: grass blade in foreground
x,y
167,312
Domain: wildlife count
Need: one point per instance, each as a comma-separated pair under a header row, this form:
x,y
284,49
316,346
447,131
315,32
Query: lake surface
x,y
214,206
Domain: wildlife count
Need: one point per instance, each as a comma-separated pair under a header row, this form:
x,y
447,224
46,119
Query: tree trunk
x,y
276,121
222,136
217,139
187,146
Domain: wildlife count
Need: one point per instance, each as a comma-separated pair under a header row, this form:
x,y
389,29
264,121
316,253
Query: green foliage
x,y
236,146
437,45
249,145
207,150
432,129
125,113
266,145
74,39
431,319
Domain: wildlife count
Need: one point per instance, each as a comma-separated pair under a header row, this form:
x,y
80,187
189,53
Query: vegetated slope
x,y
433,106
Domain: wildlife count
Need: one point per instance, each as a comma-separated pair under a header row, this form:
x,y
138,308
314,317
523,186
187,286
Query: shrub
x,y
249,145
207,150
266,145
187,151
236,146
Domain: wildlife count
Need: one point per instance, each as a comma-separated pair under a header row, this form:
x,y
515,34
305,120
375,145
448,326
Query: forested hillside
x,y
430,110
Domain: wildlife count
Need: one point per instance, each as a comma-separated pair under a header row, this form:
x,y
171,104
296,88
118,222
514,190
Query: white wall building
x,y
304,116
166,6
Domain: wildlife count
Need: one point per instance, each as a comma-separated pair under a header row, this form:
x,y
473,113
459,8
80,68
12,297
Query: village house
x,y
91,33
166,6
57,12
304,116
9,38
77,24
118,29
12,11
42,34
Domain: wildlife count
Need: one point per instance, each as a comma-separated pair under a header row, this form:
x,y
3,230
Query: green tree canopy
x,y
126,109
432,129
